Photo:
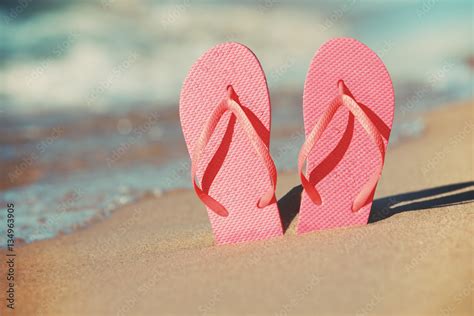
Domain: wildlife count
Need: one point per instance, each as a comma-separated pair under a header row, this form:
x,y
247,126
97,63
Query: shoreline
x,y
161,246
147,195
77,215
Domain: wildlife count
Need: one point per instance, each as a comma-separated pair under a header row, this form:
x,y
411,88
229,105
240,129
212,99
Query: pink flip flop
x,y
225,116
348,107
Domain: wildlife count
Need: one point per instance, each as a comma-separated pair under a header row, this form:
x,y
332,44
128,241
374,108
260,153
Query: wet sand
x,y
157,256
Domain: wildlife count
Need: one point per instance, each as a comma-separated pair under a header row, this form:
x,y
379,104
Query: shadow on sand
x,y
385,207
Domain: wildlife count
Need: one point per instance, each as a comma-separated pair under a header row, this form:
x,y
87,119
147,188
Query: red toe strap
x,y
230,104
343,99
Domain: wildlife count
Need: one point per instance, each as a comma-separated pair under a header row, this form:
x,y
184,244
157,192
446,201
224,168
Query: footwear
x,y
348,107
225,115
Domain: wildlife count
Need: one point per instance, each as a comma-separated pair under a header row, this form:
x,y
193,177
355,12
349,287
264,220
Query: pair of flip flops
x,y
225,113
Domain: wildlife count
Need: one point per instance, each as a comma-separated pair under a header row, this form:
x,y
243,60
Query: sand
x,y
157,257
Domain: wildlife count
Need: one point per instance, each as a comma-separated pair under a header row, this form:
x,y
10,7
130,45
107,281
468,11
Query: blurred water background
x,y
89,89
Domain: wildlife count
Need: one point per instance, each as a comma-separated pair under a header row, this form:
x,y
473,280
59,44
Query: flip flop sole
x,y
345,157
232,172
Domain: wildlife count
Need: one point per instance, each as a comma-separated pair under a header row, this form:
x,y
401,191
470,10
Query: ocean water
x,y
89,89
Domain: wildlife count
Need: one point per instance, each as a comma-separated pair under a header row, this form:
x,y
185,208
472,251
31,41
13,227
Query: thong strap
x,y
230,103
345,99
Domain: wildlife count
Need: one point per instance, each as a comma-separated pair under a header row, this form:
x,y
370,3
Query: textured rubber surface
x,y
229,168
345,156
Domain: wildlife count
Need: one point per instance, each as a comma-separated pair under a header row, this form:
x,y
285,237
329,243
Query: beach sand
x,y
157,256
